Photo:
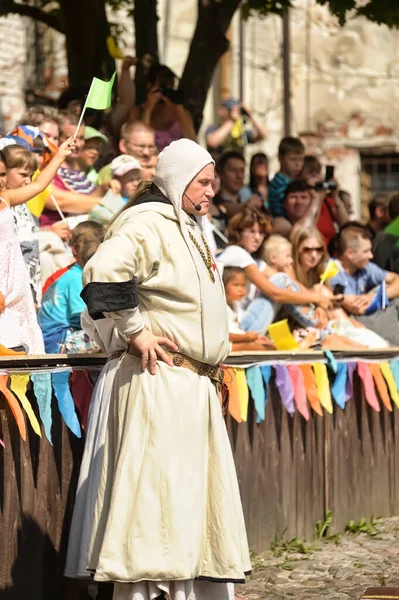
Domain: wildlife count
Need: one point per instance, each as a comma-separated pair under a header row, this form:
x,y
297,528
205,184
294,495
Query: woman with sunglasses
x,y
310,258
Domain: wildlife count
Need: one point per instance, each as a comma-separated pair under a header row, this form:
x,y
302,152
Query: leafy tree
x,y
86,28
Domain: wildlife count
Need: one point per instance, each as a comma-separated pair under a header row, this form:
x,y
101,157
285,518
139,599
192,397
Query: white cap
x,y
123,164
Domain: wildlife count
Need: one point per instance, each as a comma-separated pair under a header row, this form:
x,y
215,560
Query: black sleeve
x,y
109,297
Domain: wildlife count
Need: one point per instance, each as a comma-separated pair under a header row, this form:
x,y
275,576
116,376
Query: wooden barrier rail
x,y
290,473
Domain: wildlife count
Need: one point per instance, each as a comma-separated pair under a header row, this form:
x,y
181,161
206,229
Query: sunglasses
x,y
319,250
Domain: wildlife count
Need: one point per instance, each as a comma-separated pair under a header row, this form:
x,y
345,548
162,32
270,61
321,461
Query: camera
x,y
175,96
324,185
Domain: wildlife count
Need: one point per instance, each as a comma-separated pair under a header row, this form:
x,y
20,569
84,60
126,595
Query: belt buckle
x,y
204,370
178,360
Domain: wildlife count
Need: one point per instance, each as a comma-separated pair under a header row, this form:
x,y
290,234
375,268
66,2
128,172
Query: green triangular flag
x,y
100,92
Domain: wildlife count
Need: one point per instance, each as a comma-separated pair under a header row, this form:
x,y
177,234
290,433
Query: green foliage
x,y
379,11
322,526
362,526
278,547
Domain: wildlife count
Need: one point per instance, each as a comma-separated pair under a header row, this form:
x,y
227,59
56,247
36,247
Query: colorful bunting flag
x,y
339,385
311,388
62,392
390,380
18,384
43,392
243,394
14,406
255,384
285,388
380,385
298,384
234,401
323,386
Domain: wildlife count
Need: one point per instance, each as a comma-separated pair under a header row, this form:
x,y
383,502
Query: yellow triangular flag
x,y
37,203
281,336
323,386
19,382
243,393
331,270
389,378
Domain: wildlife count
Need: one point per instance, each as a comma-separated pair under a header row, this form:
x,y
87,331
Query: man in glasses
x,y
301,208
137,140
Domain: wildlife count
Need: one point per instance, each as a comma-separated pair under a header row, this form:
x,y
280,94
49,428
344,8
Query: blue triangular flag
x,y
339,385
43,392
62,392
379,301
266,371
255,384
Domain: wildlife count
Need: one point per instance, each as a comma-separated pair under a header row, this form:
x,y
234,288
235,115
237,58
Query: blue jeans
x,y
262,311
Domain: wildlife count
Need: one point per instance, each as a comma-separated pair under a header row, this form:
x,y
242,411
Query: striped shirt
x,y
275,198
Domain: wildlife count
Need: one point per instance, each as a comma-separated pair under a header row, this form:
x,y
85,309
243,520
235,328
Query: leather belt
x,y
215,373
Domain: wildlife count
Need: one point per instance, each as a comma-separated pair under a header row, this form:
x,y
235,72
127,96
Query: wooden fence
x,y
290,472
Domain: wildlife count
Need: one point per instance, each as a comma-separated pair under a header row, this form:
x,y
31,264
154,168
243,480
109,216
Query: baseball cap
x,y
229,103
91,133
123,164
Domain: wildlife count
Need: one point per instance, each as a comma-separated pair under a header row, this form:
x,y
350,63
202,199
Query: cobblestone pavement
x,y
341,567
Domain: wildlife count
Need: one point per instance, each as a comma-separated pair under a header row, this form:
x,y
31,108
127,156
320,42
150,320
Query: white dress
x,y
168,509
18,322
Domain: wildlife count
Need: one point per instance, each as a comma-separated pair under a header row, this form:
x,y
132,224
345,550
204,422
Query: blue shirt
x,y
61,308
362,281
276,194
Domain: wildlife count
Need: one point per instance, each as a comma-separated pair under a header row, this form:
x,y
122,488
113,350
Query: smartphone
x,y
329,172
338,289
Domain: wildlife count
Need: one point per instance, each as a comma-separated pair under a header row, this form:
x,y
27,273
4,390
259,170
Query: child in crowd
x,y
126,170
277,253
21,164
291,154
18,322
59,315
235,283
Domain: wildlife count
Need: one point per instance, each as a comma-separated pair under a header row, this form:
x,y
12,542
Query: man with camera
x,y
302,206
333,213
232,133
163,109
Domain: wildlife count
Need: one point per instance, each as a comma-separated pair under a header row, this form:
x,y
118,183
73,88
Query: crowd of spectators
x,y
272,235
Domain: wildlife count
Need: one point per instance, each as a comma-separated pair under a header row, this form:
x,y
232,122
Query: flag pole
x,y
57,206
83,112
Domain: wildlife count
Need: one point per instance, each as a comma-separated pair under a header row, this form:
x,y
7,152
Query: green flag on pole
x,y
99,96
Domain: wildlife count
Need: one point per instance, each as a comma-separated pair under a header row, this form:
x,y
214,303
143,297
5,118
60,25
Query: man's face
x,y
140,144
232,177
360,257
292,163
90,152
67,129
296,204
199,191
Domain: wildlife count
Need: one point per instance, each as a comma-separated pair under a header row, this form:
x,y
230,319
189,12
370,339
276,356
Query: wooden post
x,y
286,72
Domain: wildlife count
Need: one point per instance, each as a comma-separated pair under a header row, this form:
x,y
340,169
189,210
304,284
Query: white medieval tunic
x,y
168,515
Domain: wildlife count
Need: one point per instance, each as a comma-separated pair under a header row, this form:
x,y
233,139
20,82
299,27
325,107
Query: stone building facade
x,y
344,82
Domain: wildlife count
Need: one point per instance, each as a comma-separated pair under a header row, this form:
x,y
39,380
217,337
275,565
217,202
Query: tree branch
x,y
25,10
